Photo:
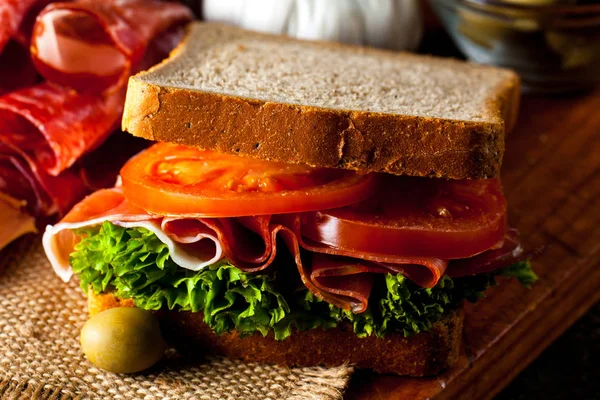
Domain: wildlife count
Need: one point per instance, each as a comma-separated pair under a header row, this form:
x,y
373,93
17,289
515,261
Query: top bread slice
x,y
325,104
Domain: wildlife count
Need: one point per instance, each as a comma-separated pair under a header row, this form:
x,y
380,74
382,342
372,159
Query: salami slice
x,y
52,126
114,35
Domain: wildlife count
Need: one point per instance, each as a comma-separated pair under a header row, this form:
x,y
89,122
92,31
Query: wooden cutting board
x,y
551,176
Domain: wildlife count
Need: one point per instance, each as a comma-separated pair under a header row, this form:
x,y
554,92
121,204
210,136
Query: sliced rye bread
x,y
325,104
423,354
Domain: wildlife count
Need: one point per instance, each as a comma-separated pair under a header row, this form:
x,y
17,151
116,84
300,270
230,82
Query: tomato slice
x,y
416,217
169,179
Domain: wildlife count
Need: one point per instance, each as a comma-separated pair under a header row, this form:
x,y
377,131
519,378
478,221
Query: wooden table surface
x,y
551,176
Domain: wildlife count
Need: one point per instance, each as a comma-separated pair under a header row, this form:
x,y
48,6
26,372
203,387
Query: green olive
x,y
122,340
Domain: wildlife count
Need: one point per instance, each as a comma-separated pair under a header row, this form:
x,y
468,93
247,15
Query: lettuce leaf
x,y
521,271
134,263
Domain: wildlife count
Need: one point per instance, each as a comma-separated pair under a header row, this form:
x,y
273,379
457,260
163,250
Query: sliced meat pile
x,y
341,276
65,99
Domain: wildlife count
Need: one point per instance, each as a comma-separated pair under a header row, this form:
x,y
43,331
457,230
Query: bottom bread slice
x,y
423,354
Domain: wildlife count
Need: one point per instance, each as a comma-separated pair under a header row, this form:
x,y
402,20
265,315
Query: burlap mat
x,y
40,357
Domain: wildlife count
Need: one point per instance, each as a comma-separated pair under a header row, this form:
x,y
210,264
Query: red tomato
x,y
168,179
416,217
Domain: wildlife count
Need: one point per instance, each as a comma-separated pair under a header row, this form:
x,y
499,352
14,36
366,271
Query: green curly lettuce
x,y
134,263
402,306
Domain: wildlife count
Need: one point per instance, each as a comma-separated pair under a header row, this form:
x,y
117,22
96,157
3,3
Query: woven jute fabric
x,y
40,356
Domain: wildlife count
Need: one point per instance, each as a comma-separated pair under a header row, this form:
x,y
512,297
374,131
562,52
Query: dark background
x,y
568,369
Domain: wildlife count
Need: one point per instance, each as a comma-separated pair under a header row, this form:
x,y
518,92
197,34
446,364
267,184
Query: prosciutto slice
x,y
114,35
344,278
110,205
250,243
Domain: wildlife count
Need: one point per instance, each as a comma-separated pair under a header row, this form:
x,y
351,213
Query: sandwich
x,y
305,204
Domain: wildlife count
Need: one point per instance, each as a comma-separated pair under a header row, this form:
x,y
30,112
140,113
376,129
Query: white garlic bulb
x,y
392,24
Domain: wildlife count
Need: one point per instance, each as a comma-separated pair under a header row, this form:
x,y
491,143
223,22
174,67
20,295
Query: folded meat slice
x,y
248,250
52,126
114,35
110,205
344,277
347,281
340,277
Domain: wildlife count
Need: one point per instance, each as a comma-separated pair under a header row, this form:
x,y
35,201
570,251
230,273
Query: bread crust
x,y
424,354
360,140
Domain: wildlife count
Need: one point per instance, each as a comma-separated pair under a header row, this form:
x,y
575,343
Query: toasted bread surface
x,y
423,354
325,104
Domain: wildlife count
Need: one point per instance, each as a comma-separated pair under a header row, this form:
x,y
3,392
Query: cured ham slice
x,y
345,283
343,277
14,216
110,205
52,126
114,35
